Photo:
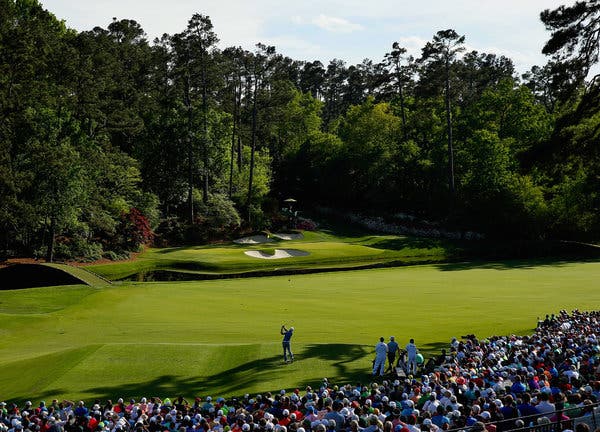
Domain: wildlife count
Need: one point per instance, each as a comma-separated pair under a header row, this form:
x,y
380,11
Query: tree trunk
x,y
252,150
404,131
449,128
233,136
188,104
52,234
204,129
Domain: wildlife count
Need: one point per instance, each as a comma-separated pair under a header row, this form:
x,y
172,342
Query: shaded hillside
x,y
18,276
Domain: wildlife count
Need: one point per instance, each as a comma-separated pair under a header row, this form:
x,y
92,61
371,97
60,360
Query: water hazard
x,y
166,276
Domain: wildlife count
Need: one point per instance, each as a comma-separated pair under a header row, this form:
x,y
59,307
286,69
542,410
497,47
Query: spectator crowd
x,y
545,382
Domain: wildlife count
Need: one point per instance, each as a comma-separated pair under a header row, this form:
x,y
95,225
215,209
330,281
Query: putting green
x,y
323,250
222,337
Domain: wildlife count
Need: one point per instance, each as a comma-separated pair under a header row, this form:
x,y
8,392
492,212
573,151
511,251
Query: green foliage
x,y
512,112
369,132
575,37
78,248
94,123
116,256
486,166
219,213
527,215
572,206
262,177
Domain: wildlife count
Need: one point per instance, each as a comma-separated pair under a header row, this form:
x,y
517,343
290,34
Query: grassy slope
x,y
82,274
222,337
326,250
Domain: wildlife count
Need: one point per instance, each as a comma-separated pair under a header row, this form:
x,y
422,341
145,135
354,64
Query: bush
x,y
116,255
218,213
306,224
258,219
85,250
171,231
135,229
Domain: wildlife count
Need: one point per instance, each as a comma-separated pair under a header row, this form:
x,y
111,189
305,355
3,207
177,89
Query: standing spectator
x,y
81,411
518,387
560,417
544,406
526,409
381,350
287,349
393,348
411,352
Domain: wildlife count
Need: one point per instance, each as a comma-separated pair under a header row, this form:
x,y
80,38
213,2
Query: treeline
x,y
106,139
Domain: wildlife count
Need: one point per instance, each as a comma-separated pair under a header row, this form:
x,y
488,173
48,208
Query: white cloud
x,y
335,24
294,47
510,27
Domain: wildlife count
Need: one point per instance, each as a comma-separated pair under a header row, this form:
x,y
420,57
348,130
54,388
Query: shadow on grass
x,y
512,264
346,359
237,380
435,348
407,243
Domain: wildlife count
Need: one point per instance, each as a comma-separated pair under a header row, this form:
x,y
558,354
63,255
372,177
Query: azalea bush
x,y
306,224
135,229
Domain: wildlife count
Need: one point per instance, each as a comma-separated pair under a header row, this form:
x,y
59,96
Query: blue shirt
x,y
392,347
287,335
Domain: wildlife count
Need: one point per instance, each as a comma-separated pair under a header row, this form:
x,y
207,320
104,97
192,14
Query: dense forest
x,y
108,139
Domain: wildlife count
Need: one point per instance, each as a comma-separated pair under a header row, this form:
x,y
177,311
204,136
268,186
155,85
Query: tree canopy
x,y
108,140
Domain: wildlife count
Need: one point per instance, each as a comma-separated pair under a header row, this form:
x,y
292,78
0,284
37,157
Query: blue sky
x,y
350,30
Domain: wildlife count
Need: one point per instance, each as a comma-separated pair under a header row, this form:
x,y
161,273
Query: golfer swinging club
x,y
287,336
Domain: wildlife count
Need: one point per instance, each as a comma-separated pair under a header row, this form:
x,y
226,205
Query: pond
x,y
166,276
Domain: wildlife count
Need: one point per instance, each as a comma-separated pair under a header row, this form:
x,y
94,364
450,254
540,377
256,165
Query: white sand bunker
x,y
261,238
257,239
288,236
279,254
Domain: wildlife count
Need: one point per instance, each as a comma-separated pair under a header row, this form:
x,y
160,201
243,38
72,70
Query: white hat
x,y
292,328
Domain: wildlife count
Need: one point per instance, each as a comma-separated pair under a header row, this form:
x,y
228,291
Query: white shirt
x,y
411,350
381,349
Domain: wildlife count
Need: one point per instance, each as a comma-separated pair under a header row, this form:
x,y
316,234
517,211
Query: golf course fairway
x,y
221,337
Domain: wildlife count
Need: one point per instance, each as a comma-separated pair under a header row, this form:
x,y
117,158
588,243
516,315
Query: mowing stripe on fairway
x,y
222,337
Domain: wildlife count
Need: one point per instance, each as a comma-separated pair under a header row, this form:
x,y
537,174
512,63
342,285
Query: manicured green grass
x,y
326,250
222,337
82,274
